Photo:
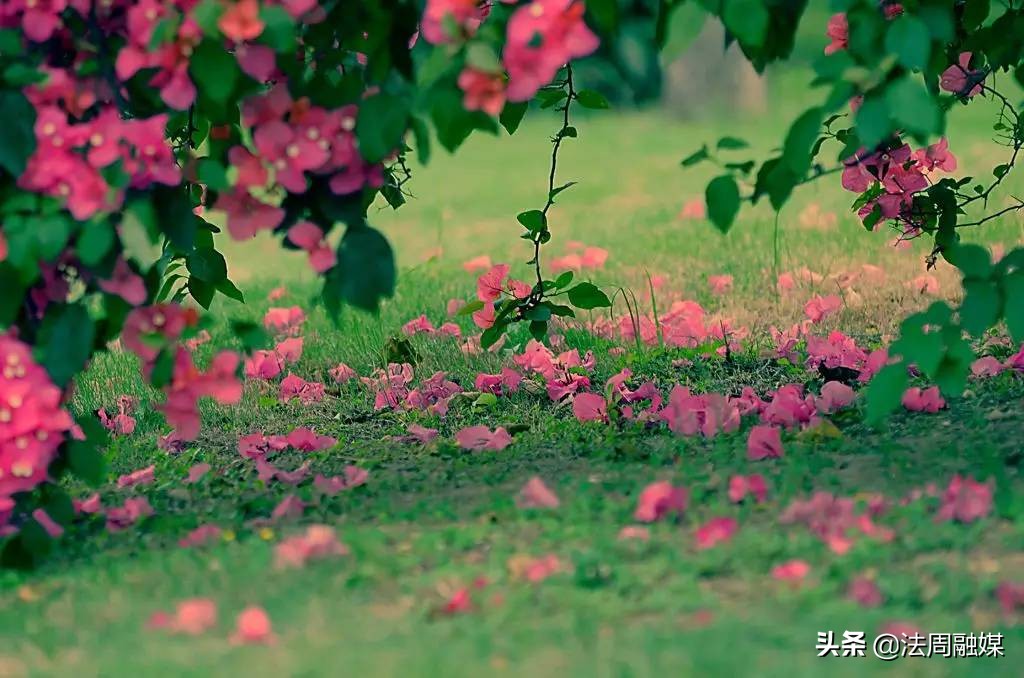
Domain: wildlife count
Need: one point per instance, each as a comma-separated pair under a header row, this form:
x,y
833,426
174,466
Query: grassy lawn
x,y
433,519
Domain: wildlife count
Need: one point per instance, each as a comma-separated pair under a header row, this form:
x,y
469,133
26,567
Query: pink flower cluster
x,y
564,374
69,157
392,389
900,172
543,36
32,422
293,140
835,520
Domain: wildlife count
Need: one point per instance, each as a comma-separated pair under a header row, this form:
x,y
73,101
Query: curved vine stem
x,y
544,234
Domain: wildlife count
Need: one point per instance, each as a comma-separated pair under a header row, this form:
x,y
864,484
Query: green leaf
x,y
589,98
981,307
696,157
563,280
731,144
66,337
587,296
912,108
213,174
381,125
684,25
252,335
747,20
452,121
85,457
365,272
605,13
228,289
17,139
208,265
796,152
201,291
213,70
910,40
974,261
1013,293
94,242
884,392
533,220
512,115
723,202
279,28
11,298
873,123
174,216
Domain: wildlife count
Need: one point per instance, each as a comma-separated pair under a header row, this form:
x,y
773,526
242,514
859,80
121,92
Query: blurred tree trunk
x,y
708,79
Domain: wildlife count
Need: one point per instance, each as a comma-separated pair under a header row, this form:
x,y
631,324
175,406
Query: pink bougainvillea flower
x,y
418,325
246,215
838,32
89,505
196,472
447,21
125,283
306,440
660,500
263,365
965,500
715,531
290,349
741,486
252,627
143,476
289,508
961,79
707,414
1010,596
834,396
193,617
542,36
418,434
695,208
590,407
480,263
285,320
317,542
865,592
593,257
276,293
820,307
638,532
927,400
1016,361
535,494
791,570
201,536
764,442
480,437
986,367
789,407
924,284
720,284
535,570
342,374
785,283
458,603
308,237
307,392
240,20
490,284
122,517
936,157
483,91
484,318
52,528
352,477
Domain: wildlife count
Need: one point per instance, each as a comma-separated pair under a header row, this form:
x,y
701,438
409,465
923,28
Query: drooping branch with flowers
x,y
173,123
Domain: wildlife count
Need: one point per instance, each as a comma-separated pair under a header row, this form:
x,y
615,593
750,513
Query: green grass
x,y
432,519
